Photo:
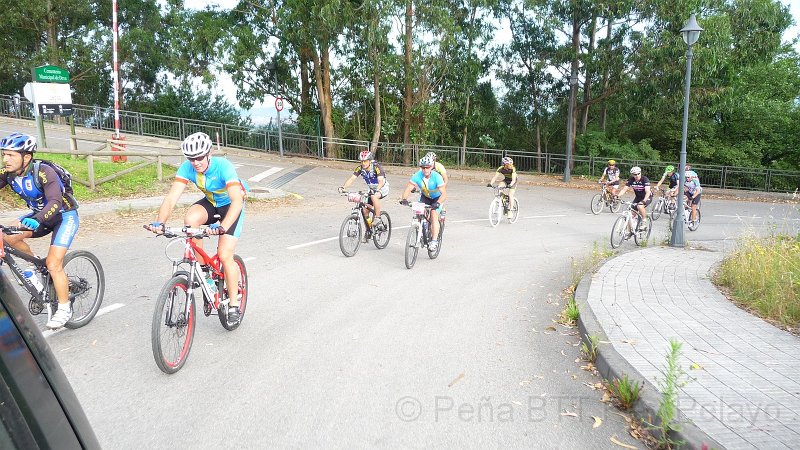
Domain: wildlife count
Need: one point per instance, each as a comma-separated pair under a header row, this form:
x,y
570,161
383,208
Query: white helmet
x,y
196,145
636,170
426,162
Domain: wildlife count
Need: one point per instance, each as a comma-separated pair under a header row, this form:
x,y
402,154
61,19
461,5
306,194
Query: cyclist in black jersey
x,y
508,173
612,174
375,177
641,189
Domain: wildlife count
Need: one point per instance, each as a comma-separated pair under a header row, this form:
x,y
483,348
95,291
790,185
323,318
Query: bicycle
x,y
173,325
692,225
419,234
604,199
351,231
665,204
499,206
84,273
620,230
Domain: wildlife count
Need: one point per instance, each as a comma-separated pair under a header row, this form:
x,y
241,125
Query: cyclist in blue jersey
x,y
53,211
433,192
375,177
672,175
692,190
224,195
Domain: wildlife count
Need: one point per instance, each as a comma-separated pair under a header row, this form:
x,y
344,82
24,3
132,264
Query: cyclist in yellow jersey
x,y
437,166
509,175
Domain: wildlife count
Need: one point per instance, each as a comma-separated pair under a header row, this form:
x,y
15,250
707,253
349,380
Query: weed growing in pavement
x,y
763,275
589,263
589,348
626,391
570,314
674,378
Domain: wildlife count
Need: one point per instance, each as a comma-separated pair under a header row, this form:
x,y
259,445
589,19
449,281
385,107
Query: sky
x,y
261,113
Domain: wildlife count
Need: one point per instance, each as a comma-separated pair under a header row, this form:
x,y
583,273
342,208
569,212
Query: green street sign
x,y
50,74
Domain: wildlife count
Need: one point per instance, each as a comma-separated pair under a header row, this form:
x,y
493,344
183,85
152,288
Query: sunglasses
x,y
199,158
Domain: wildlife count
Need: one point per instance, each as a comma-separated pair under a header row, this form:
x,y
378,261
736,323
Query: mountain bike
x,y
604,199
500,206
419,234
665,204
351,231
692,225
626,222
173,325
85,275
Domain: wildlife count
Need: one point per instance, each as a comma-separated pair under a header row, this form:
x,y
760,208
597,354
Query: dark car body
x,y
38,408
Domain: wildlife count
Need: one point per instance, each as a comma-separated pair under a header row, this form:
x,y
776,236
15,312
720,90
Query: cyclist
x,y
53,211
641,190
375,177
692,190
672,175
611,173
433,192
224,195
437,166
509,175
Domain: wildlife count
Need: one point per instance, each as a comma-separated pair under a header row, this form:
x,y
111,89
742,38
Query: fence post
x,y
769,176
224,135
139,123
90,167
159,169
723,181
180,128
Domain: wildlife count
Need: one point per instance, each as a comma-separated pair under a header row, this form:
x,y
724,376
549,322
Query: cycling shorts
x,y
693,201
64,229
235,230
645,204
430,201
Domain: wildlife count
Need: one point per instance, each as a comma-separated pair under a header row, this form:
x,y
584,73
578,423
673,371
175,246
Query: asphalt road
x,y
458,352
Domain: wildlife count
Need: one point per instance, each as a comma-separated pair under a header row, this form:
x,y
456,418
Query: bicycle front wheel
x,y
381,237
411,247
433,255
694,224
173,325
495,211
597,204
514,211
242,289
642,235
87,285
615,206
350,235
618,232
658,207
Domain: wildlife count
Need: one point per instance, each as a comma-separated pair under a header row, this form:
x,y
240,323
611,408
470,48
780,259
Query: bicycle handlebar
x,y
13,230
197,233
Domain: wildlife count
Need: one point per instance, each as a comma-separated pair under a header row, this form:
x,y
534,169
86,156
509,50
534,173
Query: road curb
x,y
611,365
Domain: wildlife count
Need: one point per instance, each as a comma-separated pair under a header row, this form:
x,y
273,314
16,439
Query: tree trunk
x,y
376,81
576,46
52,34
604,113
408,96
587,85
305,82
466,126
322,75
538,146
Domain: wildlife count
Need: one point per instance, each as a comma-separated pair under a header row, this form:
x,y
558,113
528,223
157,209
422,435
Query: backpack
x,y
63,175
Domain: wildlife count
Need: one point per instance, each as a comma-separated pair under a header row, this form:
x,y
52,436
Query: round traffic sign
x,y
279,104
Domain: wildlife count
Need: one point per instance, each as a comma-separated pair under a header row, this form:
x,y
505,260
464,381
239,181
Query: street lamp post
x,y
690,33
274,68
573,82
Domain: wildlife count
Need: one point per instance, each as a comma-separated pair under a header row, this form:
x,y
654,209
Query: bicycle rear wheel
x,y
411,247
381,237
495,211
615,206
597,204
87,285
618,232
172,331
657,208
350,235
641,236
243,288
514,211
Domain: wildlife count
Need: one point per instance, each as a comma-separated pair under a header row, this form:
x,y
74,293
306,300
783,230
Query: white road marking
x,y
545,217
738,217
265,174
250,258
100,312
237,166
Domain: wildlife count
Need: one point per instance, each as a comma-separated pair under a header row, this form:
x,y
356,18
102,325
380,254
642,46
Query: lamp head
x,y
691,31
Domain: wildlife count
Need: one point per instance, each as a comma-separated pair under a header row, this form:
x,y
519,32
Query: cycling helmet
x,y
636,170
669,169
425,162
18,142
431,155
611,162
365,155
196,145
507,160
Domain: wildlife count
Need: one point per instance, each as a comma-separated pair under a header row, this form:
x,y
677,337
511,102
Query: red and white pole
x,y
116,71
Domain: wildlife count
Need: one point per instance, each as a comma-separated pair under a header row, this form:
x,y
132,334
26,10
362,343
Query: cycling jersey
x,y
674,179
507,173
439,167
611,174
429,187
371,174
214,182
638,187
51,207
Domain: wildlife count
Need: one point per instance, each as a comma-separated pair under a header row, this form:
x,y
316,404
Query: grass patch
x,y
626,391
589,263
139,183
589,348
763,276
570,314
